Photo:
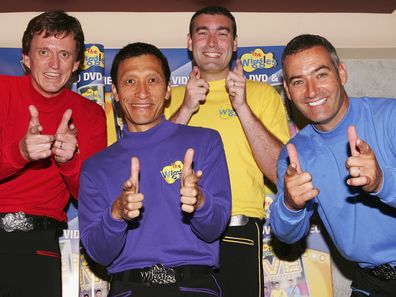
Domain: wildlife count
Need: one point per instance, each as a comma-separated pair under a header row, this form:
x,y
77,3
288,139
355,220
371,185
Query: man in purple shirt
x,y
153,205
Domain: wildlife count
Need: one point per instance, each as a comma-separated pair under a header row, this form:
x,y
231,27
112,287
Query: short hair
x,y
214,10
135,50
54,23
307,41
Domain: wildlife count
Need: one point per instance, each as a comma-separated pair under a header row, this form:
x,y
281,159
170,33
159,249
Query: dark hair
x,y
307,41
54,23
214,10
135,50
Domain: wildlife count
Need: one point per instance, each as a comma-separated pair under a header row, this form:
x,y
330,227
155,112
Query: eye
x,y
152,80
43,52
65,54
322,75
201,33
129,81
297,82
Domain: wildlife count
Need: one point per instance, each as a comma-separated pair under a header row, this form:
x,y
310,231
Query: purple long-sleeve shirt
x,y
162,233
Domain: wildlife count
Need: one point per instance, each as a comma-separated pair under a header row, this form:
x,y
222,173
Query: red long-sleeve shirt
x,y
43,187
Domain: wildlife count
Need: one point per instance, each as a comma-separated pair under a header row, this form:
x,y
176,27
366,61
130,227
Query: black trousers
x,y
205,286
366,285
30,264
241,269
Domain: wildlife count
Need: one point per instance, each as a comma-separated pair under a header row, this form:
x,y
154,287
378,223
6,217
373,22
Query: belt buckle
x,y
238,220
17,221
158,275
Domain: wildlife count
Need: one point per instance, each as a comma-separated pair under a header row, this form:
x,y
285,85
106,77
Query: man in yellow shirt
x,y
250,117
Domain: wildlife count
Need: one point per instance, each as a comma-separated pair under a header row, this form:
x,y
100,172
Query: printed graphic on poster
x,y
90,82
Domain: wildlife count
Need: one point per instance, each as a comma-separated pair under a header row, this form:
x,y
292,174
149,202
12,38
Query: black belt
x,y
24,222
160,275
383,272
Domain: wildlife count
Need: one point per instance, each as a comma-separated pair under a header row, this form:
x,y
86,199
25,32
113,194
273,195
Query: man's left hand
x,y
191,194
362,165
236,86
65,144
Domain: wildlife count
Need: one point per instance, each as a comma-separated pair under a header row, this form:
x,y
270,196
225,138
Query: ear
x,y
342,72
114,91
168,92
285,86
75,66
189,42
26,60
235,45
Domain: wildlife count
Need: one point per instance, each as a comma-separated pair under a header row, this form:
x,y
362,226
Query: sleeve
x,y
102,236
387,193
96,141
211,219
11,160
288,225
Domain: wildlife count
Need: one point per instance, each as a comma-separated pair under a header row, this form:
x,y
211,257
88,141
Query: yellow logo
x,y
257,60
93,57
226,112
172,172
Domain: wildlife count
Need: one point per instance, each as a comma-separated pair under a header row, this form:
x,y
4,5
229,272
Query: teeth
x,y
52,74
212,55
318,102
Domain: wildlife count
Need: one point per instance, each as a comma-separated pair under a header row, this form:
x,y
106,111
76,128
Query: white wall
x,y
167,30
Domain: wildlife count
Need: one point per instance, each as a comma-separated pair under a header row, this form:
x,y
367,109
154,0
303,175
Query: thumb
x,y
34,123
135,170
64,124
293,156
195,73
353,139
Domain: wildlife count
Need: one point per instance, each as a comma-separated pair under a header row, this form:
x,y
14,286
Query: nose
x,y
142,90
212,41
54,62
311,89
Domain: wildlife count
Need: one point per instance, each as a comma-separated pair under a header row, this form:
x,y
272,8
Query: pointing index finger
x,y
64,124
293,156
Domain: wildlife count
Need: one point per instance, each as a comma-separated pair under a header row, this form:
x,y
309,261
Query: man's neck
x,y
209,76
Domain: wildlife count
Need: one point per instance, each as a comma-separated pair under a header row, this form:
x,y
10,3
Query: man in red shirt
x,y
46,132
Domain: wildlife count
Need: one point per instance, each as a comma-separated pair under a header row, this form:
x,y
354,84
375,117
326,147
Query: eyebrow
x,y
312,72
217,29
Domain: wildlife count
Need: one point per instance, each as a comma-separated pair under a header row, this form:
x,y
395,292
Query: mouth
x,y
52,75
212,54
317,102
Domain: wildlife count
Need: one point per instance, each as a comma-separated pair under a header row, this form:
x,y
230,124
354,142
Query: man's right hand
x,y
196,90
298,185
128,204
35,146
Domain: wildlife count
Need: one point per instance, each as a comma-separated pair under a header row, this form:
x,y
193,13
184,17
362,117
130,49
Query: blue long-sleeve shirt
x,y
162,233
362,226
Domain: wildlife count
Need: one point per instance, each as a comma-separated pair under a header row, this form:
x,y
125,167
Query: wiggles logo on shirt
x,y
226,112
93,57
172,172
257,59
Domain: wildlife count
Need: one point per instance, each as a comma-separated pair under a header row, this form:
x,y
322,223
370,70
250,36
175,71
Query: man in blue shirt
x,y
343,165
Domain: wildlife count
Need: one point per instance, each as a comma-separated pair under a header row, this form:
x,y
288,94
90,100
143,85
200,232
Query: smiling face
x,y
212,45
316,87
51,61
141,90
